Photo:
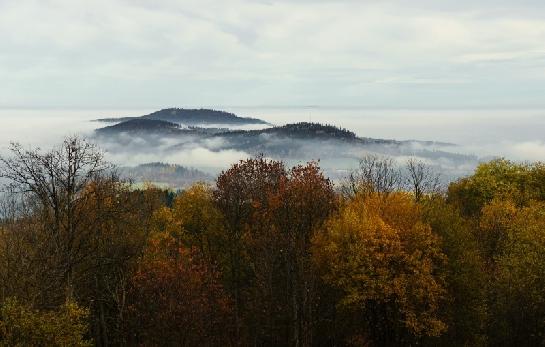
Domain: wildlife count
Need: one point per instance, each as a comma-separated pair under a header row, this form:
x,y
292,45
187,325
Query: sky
x,y
364,53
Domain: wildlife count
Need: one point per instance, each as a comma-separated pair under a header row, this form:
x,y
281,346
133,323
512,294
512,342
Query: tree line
x,y
269,255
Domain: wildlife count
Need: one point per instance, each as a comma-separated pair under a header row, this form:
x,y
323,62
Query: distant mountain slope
x,y
298,141
258,138
299,131
171,175
303,130
144,127
192,117
141,125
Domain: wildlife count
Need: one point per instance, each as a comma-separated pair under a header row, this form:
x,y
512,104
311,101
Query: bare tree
x,y
55,183
375,174
73,231
421,179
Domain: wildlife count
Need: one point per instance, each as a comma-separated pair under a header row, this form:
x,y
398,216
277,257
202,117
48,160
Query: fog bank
x,y
514,134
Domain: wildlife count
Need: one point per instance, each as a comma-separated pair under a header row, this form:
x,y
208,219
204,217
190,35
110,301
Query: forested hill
x,y
296,131
298,141
165,175
303,130
192,117
141,125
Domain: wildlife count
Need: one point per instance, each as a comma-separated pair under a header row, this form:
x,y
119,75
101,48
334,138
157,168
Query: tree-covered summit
x,y
191,117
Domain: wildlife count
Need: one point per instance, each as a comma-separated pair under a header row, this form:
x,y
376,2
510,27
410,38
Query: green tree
x,y
518,292
502,179
465,307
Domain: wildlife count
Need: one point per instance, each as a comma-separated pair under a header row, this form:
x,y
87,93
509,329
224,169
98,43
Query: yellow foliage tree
x,y
202,222
385,262
494,222
500,179
20,325
465,310
518,292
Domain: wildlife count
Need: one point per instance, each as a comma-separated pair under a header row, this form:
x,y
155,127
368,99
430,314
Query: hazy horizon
x,y
513,134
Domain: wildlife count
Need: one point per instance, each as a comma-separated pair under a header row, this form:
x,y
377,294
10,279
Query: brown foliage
x,y
176,299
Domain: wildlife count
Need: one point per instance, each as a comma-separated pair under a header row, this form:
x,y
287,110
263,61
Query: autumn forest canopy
x,y
269,255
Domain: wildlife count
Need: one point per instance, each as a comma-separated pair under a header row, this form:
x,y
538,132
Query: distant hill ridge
x,y
171,175
141,125
243,139
192,117
290,141
301,130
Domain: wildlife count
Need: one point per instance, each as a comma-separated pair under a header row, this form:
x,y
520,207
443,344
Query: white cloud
x,y
116,53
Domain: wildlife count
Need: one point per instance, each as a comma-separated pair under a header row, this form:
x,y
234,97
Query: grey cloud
x,y
121,53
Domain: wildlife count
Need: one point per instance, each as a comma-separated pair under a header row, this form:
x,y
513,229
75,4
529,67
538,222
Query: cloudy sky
x,y
372,53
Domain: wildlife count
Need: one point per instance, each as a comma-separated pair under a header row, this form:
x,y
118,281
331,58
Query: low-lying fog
x,y
514,134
